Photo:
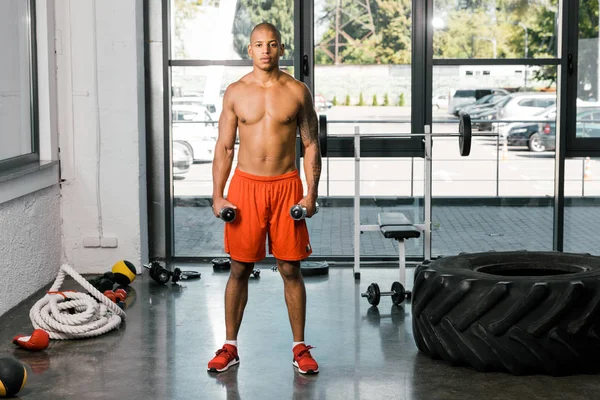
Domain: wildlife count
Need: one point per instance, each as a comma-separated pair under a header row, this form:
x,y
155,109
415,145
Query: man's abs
x,y
267,153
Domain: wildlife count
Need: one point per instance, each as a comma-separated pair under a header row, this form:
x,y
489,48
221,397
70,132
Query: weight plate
x,y
314,268
323,135
464,140
374,294
190,275
399,297
221,264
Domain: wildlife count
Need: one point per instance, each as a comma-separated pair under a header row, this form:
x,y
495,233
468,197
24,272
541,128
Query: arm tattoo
x,y
309,132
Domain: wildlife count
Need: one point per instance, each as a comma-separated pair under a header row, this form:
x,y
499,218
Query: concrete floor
x,y
171,332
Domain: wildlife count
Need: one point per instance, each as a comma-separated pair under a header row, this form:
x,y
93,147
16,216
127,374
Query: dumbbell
x,y
397,293
227,214
299,212
116,297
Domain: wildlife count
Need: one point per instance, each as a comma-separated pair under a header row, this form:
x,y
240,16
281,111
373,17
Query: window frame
x,y
575,146
34,155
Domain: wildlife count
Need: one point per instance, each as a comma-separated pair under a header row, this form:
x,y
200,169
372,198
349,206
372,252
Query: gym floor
x,y
171,332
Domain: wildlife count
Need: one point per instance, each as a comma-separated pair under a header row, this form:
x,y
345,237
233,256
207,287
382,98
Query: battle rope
x,y
75,315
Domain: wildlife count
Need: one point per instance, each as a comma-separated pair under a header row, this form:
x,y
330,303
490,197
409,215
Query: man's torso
x,y
267,122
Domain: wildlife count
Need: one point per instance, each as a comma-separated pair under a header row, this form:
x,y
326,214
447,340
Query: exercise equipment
x,y
37,341
13,376
299,212
227,214
398,294
464,135
162,275
124,272
224,265
75,315
103,282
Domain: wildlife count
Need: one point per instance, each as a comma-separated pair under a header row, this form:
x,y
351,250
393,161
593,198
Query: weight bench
x,y
395,226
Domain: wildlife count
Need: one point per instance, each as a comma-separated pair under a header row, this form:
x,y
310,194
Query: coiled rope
x,y
75,315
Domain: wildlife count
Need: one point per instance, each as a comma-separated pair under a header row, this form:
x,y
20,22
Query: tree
x,y
393,31
250,13
184,10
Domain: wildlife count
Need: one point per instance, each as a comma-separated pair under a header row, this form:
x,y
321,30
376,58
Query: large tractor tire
x,y
521,312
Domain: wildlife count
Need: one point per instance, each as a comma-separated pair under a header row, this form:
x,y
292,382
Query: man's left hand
x,y
310,204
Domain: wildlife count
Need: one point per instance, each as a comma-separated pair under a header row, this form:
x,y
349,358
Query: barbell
x,y
464,135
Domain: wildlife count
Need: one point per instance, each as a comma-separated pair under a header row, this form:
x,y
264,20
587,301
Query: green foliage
x,y
361,100
185,10
375,102
401,101
334,101
250,13
347,102
386,100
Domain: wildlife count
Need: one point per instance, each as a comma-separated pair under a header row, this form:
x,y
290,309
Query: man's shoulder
x,y
299,88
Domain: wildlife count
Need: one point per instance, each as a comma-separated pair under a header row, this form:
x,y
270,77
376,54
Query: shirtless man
x,y
267,106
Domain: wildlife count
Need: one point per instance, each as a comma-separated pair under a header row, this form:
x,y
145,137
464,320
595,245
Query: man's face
x,y
265,49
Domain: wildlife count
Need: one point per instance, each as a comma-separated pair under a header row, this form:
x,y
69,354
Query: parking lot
x,y
491,169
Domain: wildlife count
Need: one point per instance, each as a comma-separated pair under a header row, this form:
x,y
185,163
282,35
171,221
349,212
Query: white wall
x,y
29,244
103,189
30,225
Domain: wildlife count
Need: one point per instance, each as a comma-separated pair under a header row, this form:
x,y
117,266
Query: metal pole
x,y
402,261
337,32
428,148
582,177
498,164
412,176
356,202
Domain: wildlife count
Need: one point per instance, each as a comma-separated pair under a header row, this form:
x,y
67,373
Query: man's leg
x,y
295,296
236,297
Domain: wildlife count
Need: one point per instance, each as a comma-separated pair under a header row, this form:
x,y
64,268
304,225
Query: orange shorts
x,y
263,206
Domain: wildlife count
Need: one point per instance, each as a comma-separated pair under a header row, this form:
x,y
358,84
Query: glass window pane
x,y
220,30
467,29
15,80
582,205
500,197
363,73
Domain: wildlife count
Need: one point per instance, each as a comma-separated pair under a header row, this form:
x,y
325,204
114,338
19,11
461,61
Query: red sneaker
x,y
225,358
304,361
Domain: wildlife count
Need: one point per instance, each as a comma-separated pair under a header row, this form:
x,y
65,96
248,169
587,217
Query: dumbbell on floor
x,y
398,294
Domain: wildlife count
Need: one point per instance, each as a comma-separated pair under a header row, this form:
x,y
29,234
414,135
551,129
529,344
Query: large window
x,y
18,138
388,67
209,51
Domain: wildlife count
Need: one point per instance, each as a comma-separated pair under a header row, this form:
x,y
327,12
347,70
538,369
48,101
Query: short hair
x,y
269,26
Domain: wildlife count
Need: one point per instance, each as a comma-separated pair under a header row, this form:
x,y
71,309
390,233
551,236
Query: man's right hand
x,y
219,204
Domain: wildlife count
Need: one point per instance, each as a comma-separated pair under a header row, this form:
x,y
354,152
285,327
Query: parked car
x,y
439,101
321,104
463,97
482,104
195,101
182,159
588,125
521,105
194,125
526,133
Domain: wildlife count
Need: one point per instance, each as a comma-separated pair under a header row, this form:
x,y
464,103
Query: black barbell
x,y
464,135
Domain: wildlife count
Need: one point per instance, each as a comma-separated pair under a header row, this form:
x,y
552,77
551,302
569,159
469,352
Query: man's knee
x,y
240,270
289,269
